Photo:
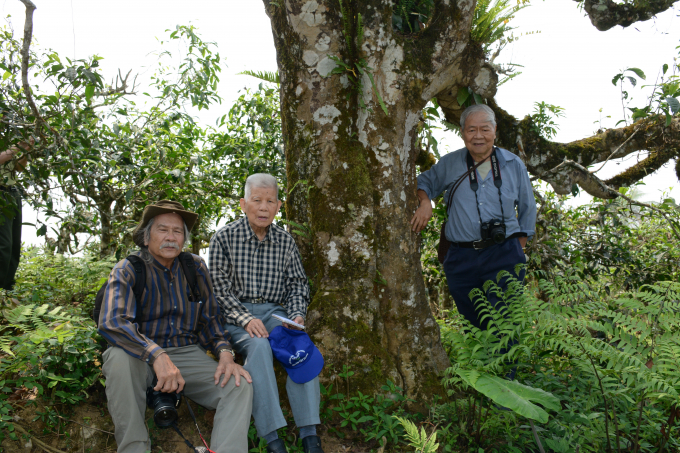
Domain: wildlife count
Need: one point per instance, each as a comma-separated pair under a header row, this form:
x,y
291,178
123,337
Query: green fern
x,y
419,439
625,349
271,77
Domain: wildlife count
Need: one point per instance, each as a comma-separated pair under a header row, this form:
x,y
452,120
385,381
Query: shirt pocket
x,y
509,200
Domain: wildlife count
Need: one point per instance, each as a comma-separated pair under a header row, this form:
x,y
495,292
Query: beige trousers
x,y
127,379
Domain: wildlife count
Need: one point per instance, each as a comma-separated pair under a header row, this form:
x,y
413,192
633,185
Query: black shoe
x,y
277,447
312,444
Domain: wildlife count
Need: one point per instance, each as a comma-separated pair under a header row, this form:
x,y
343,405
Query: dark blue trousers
x,y
467,269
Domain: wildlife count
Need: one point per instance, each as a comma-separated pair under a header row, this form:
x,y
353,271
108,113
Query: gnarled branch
x,y
605,14
544,158
25,56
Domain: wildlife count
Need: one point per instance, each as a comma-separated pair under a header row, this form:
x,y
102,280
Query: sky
x,y
565,60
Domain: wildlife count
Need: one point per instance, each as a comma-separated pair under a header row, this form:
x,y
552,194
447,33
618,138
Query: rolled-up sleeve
x,y
296,298
433,181
526,207
212,335
118,313
222,274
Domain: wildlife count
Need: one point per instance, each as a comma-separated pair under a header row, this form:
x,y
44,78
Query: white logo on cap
x,y
297,359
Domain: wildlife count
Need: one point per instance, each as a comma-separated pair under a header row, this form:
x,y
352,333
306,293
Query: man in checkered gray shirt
x,y
257,272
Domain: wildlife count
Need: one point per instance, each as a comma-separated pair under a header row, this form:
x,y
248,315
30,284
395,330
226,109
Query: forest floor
x,y
88,428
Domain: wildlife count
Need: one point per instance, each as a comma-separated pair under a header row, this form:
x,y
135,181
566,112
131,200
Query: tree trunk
x,y
352,168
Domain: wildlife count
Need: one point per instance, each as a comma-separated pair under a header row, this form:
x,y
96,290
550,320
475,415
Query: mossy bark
x,y
369,309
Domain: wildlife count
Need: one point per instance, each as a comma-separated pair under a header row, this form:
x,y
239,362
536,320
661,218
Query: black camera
x,y
164,405
493,229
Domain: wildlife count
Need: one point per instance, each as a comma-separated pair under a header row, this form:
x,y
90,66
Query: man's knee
x,y
118,363
259,349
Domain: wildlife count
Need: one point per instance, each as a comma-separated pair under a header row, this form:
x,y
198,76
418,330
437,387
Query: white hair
x,y
477,108
261,180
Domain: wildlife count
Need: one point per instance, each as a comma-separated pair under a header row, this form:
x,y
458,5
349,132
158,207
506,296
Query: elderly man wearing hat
x,y
258,277
167,337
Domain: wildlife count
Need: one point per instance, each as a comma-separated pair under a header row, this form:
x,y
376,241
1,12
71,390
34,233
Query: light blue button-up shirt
x,y
519,205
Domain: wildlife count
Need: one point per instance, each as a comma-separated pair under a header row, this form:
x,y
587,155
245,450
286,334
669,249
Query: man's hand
x,y
523,241
228,367
170,380
423,213
298,319
256,327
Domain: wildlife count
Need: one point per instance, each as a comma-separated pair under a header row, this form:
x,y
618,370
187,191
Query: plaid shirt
x,y
243,267
168,318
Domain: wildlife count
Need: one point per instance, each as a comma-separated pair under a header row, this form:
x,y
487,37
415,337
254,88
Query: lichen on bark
x,y
369,309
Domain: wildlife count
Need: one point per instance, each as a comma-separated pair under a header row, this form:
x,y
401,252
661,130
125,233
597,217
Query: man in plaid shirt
x,y
257,272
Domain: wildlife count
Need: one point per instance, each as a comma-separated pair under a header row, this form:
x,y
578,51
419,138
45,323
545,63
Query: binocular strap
x,y
189,444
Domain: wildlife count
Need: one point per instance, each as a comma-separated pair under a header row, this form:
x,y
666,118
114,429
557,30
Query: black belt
x,y
479,245
257,300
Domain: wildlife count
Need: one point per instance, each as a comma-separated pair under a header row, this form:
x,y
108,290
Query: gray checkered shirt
x,y
243,267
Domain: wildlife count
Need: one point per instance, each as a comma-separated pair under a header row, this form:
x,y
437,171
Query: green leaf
x,y
639,72
41,231
478,99
462,96
674,104
665,68
89,92
511,394
6,75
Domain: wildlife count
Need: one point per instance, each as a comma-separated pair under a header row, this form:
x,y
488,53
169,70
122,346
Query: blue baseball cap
x,y
296,352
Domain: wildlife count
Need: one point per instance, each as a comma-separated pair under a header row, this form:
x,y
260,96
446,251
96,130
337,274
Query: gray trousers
x,y
304,398
127,379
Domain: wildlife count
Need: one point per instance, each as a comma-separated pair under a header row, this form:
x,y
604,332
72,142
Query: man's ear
x,y
279,208
242,202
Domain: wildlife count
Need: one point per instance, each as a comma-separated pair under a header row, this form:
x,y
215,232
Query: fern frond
x,y
271,77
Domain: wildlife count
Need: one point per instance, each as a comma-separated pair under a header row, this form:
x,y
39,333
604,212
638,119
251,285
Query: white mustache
x,y
173,245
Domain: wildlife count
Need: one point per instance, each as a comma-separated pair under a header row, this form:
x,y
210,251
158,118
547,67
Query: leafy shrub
x,y
607,369
69,282
47,352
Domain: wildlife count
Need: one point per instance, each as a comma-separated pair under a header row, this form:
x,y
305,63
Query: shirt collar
x,y
248,232
499,153
172,269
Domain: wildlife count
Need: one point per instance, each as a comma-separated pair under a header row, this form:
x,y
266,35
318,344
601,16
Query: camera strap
x,y
497,180
186,441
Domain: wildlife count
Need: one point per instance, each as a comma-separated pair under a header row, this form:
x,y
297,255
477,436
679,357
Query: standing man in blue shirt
x,y
491,214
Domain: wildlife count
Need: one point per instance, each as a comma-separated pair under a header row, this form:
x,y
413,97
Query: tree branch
x,y
25,57
544,157
598,188
605,14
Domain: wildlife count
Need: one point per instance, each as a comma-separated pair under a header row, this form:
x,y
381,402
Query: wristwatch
x,y
221,350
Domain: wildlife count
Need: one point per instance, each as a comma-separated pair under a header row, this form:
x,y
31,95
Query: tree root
x,y
37,441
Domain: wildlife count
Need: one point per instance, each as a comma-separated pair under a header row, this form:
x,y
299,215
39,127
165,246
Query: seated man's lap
x,y
240,338
196,367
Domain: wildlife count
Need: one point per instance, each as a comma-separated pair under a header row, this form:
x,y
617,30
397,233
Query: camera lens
x,y
164,406
164,415
498,235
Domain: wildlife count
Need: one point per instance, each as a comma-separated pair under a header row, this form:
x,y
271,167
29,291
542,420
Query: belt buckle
x,y
478,245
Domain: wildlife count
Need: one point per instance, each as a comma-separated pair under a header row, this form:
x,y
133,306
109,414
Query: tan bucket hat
x,y
163,207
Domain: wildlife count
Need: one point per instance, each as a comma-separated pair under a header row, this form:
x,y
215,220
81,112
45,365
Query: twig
x,y
28,36
38,442
637,431
584,176
616,150
536,438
